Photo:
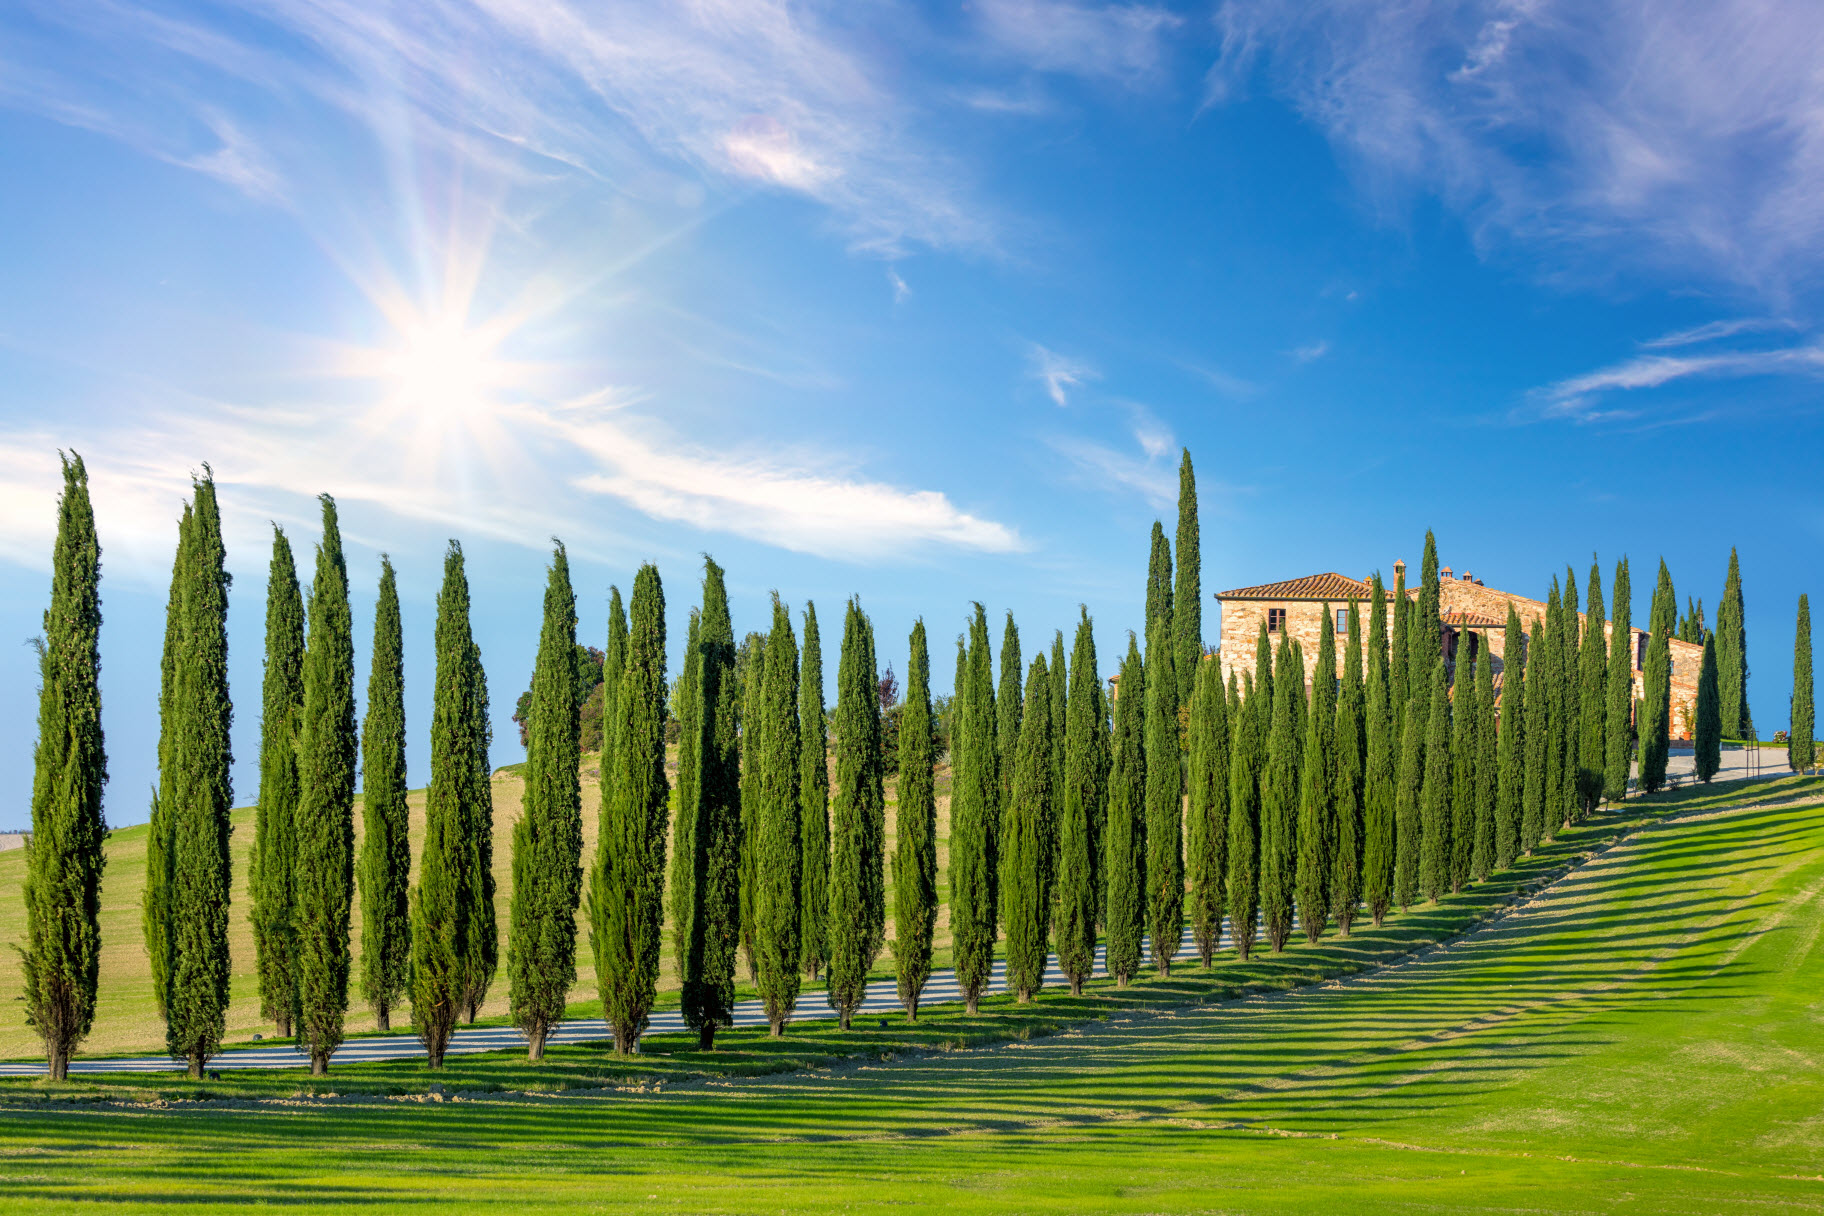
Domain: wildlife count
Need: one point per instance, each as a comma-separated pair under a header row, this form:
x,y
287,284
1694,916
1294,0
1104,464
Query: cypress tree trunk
x,y
1380,768
155,911
1464,747
684,860
915,844
1656,705
1316,792
1620,700
1164,809
1510,748
1708,729
1570,701
386,858
751,667
1593,692
271,879
64,858
1435,796
1082,800
1279,802
1486,783
1346,790
625,897
1008,708
1125,839
708,973
548,839
1028,901
1207,820
444,906
1187,599
1732,657
814,797
1799,750
858,831
776,816
974,762
197,999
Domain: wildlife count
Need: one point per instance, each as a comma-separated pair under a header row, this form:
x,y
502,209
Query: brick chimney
x,y
1445,573
1399,566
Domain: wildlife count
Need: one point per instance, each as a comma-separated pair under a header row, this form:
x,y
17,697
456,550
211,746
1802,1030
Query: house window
x,y
1342,620
1276,620
1640,651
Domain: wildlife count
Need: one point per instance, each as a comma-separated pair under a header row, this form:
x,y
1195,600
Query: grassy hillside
x,y
1644,1035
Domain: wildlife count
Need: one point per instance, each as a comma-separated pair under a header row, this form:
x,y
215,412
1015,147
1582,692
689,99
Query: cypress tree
x,y
1380,776
975,789
1164,808
814,799
684,860
1408,798
64,859
1799,749
1081,807
1435,796
1399,683
1187,599
1027,909
1510,754
1007,723
445,910
155,911
708,974
1708,729
1620,699
1060,702
1207,821
614,662
915,842
1243,885
1465,746
1279,802
196,999
777,818
624,894
1317,791
1125,840
1656,705
858,833
1487,779
1551,685
1732,657
1536,739
1425,635
1346,798
1570,681
386,856
1160,630
548,839
1593,692
752,669
271,875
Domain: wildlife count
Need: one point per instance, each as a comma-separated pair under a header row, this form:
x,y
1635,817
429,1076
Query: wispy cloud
x,y
1713,331
1146,468
900,290
1311,352
1121,42
1058,373
1585,397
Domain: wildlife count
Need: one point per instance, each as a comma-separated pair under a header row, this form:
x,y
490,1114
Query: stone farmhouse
x,y
1297,607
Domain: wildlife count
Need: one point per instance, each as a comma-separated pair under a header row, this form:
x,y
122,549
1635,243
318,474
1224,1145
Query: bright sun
x,y
442,370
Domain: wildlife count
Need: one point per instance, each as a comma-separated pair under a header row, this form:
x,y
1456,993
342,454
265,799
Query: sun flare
x,y
443,370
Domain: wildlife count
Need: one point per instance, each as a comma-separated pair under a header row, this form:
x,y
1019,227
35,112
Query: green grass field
x,y
1645,1034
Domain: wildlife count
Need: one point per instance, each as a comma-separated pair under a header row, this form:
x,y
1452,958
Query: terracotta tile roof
x,y
1470,620
1339,588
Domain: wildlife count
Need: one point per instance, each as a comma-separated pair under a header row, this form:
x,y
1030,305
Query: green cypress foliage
x,y
1510,748
1399,684
1732,657
1027,909
1243,880
1317,791
1207,820
1593,694
614,662
1007,722
155,913
1380,776
1164,808
1125,840
751,669
777,818
548,839
814,799
1708,729
1570,680
64,861
1800,753
708,974
1060,702
858,833
1435,798
684,859
1656,705
1425,636
1081,808
1187,599
1408,798
386,856
1346,796
1487,773
1279,802
1465,746
974,758
1551,684
271,875
915,843
445,907
197,907
1537,737
1619,701
1159,618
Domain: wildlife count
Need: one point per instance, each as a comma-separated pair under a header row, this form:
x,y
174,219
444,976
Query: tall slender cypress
x,y
1399,683
197,994
915,842
548,839
751,668
1510,747
1800,753
1187,598
1425,634
1465,746
1656,704
1593,694
1279,802
626,880
777,819
858,831
1707,731
1435,798
1570,691
1027,910
1082,805
1346,788
1160,630
386,856
1380,776
1732,656
1551,671
973,871
155,910
1164,808
445,910
1317,792
814,799
1059,675
64,860
1007,707
684,859
1485,786
1125,840
708,974
614,662
1619,703
1536,741
271,877
1407,813
1243,880
1207,819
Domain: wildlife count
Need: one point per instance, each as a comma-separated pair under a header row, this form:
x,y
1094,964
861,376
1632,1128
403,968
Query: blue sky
x,y
912,303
